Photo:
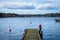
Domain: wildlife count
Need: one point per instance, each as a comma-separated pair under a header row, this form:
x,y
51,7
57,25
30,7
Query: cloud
x,y
46,7
27,5
17,5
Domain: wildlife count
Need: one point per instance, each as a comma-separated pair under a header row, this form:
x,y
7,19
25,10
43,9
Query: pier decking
x,y
32,34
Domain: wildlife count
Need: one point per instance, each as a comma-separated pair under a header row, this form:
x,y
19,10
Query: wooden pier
x,y
32,34
57,20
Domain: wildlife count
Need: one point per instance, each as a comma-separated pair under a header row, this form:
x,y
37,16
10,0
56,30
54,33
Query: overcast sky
x,y
30,4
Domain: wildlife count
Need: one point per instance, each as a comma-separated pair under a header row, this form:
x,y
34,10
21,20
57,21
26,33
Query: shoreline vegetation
x,y
3,15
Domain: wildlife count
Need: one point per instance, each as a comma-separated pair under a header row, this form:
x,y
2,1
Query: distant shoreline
x,y
4,15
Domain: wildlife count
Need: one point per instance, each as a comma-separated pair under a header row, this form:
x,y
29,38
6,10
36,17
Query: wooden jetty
x,y
57,20
32,34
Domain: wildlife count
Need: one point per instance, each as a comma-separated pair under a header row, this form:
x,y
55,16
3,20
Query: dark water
x,y
50,28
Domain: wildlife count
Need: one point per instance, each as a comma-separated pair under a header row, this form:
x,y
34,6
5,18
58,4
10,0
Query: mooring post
x,y
40,27
40,30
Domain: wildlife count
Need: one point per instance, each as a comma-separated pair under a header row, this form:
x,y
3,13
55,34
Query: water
x,y
50,28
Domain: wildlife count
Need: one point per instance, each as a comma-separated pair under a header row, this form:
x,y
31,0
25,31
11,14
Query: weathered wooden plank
x,y
31,34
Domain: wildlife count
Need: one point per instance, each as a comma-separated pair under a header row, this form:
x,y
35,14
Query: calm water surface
x,y
50,28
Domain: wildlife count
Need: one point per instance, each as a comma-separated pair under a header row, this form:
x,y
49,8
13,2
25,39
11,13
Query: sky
x,y
30,4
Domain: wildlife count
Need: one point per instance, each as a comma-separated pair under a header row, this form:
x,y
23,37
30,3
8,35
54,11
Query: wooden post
x,y
40,31
40,27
